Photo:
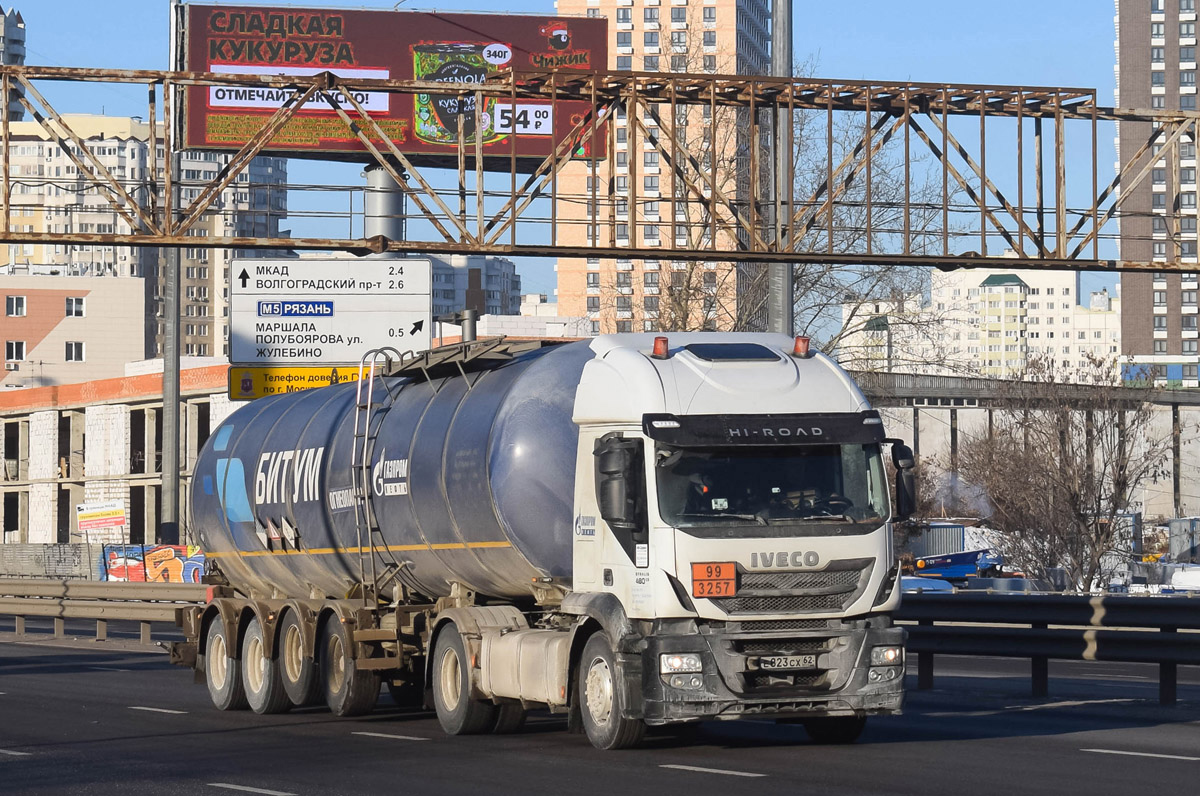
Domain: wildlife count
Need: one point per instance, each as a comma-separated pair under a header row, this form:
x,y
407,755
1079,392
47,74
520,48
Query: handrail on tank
x,y
360,457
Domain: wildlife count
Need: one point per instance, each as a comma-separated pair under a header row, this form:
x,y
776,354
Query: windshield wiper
x,y
723,514
823,517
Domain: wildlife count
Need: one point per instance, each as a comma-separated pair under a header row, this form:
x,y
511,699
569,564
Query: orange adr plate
x,y
714,579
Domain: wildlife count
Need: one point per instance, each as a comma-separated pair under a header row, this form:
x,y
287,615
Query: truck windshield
x,y
799,484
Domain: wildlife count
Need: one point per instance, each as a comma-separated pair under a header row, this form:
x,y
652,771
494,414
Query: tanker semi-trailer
x,y
628,530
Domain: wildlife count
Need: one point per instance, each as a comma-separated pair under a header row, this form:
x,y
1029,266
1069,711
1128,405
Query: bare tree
x,y
1057,479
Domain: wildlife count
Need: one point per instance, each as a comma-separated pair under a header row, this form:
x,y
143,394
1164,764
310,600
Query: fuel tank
x,y
471,480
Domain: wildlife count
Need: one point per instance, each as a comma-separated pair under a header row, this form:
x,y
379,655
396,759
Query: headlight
x,y
887,656
673,663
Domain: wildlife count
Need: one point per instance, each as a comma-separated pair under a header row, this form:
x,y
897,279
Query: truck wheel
x,y
602,698
260,674
348,691
835,729
456,711
221,670
298,671
510,718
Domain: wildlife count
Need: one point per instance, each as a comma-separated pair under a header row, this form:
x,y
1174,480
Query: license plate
x,y
714,579
778,662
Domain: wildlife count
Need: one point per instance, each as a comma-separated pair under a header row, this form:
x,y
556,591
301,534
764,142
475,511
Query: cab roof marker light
x,y
801,349
661,348
665,423
872,421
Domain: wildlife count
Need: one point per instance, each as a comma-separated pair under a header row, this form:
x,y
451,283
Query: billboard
x,y
384,45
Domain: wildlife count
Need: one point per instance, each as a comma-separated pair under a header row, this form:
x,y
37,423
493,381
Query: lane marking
x,y
14,754
158,710
1142,754
387,735
713,771
248,789
107,669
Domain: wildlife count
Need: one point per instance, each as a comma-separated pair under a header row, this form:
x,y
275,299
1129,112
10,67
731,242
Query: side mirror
x,y
902,456
906,494
906,482
614,502
617,469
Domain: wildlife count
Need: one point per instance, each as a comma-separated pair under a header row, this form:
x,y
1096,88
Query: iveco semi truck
x,y
630,530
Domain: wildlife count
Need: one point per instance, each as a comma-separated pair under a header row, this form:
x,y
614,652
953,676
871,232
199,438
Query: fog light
x,y
873,675
686,681
671,663
886,656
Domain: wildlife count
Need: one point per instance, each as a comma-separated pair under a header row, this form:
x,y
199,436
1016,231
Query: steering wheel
x,y
834,504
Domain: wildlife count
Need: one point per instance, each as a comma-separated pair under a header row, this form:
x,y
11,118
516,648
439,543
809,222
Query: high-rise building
x,y
634,295
489,285
1156,68
48,195
986,322
12,51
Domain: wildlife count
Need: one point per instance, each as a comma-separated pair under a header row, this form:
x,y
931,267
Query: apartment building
x,y
68,329
633,295
1156,68
985,322
50,195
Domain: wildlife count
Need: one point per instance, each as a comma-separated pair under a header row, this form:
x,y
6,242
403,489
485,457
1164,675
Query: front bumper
x,y
733,687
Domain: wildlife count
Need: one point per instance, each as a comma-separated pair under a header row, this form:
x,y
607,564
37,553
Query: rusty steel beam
x,y
105,179
378,244
734,227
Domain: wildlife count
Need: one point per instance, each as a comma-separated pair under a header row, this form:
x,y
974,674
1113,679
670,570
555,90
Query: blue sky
x,y
1015,42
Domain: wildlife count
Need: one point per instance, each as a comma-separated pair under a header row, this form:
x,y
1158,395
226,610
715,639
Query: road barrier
x,y
144,603
1116,628
1120,628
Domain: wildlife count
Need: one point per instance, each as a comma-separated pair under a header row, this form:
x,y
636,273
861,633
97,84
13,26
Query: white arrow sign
x,y
327,311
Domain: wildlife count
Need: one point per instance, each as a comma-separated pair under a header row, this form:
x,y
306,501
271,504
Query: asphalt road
x,y
109,718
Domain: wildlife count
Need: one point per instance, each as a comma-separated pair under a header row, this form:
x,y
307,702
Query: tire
x,y
602,698
222,671
260,674
456,711
510,718
301,679
348,691
835,729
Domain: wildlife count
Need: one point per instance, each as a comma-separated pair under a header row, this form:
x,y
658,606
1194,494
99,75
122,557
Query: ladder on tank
x,y
371,545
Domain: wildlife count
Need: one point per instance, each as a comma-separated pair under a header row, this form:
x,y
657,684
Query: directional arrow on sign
x,y
417,327
245,277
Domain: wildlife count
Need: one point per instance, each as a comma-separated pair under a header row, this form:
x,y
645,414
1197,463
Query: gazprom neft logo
x,y
295,309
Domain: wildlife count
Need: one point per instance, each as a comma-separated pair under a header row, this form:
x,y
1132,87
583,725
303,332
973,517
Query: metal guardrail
x,y
1121,628
145,603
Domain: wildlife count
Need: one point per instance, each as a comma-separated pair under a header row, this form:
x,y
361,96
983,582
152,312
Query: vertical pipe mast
x,y
168,531
780,309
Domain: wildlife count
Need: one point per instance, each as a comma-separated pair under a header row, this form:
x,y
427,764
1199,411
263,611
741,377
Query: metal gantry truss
x,y
948,203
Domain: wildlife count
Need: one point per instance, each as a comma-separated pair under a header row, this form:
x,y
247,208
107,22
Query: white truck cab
x,y
739,521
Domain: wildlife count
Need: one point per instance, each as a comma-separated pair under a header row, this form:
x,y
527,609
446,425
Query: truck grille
x,y
831,589
767,625
759,683
782,646
842,580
